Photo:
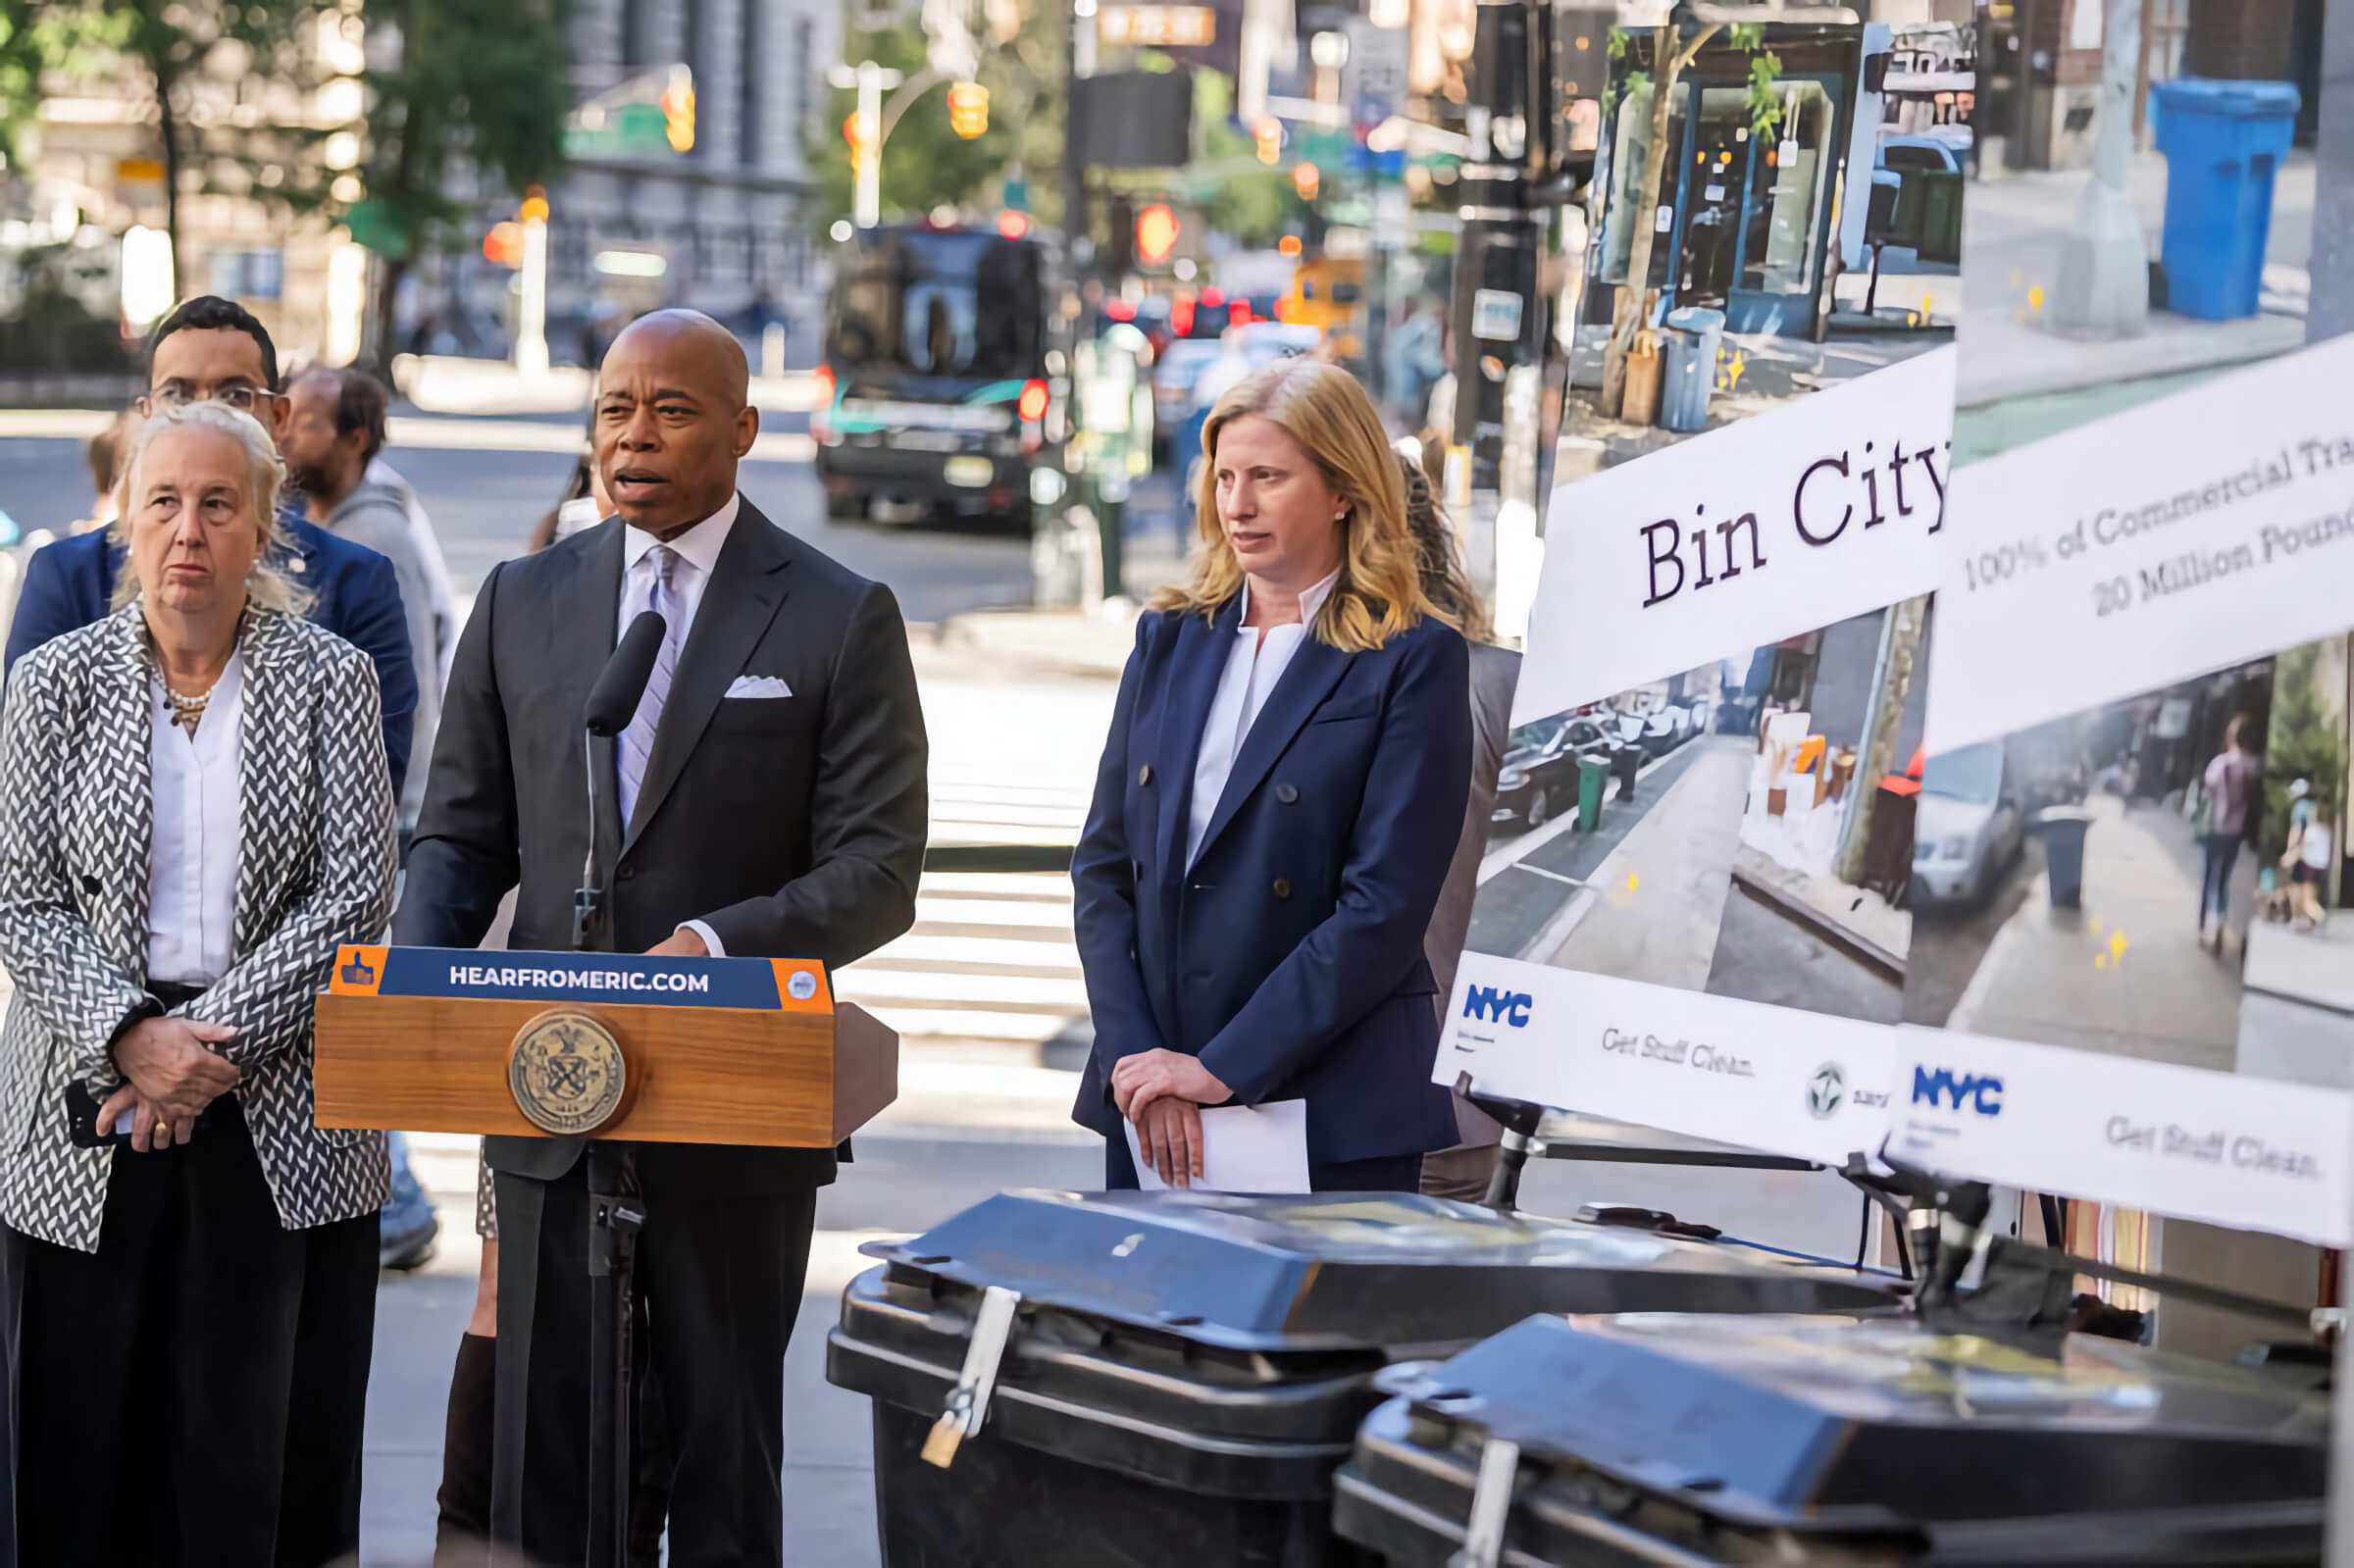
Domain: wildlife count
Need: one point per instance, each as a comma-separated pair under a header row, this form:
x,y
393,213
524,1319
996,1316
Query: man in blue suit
x,y
212,349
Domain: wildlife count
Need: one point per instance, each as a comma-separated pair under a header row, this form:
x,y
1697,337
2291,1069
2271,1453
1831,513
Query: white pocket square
x,y
760,685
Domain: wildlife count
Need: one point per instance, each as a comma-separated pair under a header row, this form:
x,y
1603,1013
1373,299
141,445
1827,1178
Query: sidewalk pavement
x,y
2296,1014
2125,974
1649,911
1857,919
2012,235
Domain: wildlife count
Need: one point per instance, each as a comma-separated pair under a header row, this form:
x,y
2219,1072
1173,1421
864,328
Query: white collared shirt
x,y
697,550
1254,666
195,782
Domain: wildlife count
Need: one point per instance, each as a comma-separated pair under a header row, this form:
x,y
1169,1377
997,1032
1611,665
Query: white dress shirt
x,y
697,550
1254,665
195,781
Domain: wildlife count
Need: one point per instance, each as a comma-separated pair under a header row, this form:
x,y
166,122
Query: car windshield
x,y
1973,774
1535,735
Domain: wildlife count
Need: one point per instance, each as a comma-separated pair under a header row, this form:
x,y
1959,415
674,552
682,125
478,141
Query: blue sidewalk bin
x,y
2223,142
1693,337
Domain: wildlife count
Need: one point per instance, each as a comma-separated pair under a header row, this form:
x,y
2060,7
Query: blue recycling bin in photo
x,y
2223,142
1692,335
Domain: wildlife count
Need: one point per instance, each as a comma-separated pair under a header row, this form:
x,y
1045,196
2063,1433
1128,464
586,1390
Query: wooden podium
x,y
607,1045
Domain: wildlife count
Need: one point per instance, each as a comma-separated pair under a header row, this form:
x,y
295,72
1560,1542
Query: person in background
x,y
2308,858
213,350
585,504
428,555
1257,868
1463,1172
2231,784
194,815
1410,361
103,452
333,429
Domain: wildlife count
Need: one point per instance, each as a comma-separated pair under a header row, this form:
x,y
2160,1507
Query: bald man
x,y
766,801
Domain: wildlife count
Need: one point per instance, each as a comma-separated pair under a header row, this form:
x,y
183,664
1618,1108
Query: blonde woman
x,y
195,813
1276,808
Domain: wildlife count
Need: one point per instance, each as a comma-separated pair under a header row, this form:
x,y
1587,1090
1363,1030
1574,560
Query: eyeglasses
x,y
237,395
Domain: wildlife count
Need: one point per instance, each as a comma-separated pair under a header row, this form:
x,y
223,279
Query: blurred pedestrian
x,y
103,452
2310,856
1257,869
192,1261
333,427
585,504
428,555
2230,783
213,350
1411,362
1462,1171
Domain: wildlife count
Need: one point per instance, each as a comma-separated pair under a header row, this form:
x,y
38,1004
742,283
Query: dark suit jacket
x,y
793,825
356,596
1290,959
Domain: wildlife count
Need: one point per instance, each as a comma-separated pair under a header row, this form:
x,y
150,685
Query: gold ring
x,y
163,1128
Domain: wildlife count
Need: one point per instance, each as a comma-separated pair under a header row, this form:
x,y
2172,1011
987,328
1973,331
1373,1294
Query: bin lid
x,y
1323,1271
1822,1424
1696,317
2237,100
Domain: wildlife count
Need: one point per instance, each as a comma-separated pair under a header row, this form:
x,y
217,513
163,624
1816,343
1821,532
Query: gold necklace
x,y
189,710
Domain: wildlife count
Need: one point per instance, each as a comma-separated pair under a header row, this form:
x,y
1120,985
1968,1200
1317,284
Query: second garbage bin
x,y
2223,142
1836,1445
1169,1379
1693,334
2062,830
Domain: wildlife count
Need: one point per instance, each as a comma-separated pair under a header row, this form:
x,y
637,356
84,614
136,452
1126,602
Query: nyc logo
x,y
1497,1005
1981,1092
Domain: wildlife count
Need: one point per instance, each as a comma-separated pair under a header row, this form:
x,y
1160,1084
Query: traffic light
x,y
1269,134
677,111
534,205
503,245
968,109
1156,234
1307,179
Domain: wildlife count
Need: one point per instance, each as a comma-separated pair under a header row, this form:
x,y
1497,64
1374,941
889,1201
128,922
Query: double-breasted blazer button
x,y
1144,775
1283,887
1287,793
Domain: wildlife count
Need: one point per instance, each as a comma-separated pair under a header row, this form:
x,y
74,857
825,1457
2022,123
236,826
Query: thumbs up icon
x,y
357,972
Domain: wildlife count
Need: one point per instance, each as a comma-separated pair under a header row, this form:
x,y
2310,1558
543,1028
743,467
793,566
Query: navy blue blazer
x,y
68,584
1290,959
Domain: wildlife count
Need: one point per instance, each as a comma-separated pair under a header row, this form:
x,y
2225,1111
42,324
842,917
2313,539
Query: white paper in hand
x,y
1244,1148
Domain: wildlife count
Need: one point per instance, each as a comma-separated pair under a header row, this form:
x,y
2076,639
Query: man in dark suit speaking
x,y
766,800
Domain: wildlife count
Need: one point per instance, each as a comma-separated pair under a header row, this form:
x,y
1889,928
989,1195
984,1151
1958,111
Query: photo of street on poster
x,y
2132,816
1692,915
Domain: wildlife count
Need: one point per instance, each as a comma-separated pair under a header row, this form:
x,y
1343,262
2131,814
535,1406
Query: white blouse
x,y
192,851
1254,666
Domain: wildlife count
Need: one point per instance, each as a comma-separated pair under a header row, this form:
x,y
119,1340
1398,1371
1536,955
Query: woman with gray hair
x,y
1462,1171
194,814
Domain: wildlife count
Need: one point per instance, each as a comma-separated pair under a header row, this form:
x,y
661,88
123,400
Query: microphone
x,y
613,700
612,703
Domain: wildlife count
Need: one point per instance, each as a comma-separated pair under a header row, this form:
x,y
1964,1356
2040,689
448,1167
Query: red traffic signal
x,y
503,245
1156,234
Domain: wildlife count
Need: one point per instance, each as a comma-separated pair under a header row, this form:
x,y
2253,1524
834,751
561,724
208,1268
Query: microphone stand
x,y
616,1212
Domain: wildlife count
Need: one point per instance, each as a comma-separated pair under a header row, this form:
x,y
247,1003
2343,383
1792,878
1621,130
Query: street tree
x,y
170,48
926,163
1673,46
454,87
2304,743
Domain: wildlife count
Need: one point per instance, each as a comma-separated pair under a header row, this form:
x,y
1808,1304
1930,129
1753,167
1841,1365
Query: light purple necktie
x,y
637,740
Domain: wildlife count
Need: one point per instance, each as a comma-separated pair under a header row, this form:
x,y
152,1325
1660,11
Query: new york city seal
x,y
567,1072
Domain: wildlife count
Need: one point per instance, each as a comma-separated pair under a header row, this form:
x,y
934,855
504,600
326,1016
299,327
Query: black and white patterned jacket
x,y
315,868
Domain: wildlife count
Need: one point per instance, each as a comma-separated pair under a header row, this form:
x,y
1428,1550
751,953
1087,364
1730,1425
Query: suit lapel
x,y
1202,647
1316,669
123,740
739,602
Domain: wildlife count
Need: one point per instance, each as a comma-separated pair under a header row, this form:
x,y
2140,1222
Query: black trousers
x,y
718,1283
192,1392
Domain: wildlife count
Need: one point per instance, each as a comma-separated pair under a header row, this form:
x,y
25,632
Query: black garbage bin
x,y
2061,828
1185,1371
1813,1442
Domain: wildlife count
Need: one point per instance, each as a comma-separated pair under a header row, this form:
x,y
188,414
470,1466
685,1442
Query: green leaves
x,y
1764,96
